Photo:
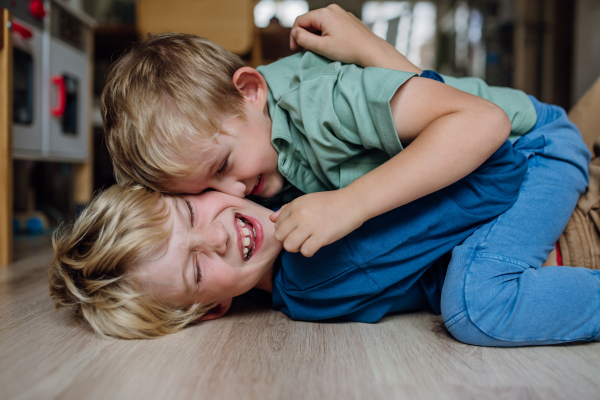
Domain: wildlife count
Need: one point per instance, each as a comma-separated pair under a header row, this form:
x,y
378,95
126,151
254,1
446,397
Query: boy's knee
x,y
455,313
472,309
463,330
452,301
480,291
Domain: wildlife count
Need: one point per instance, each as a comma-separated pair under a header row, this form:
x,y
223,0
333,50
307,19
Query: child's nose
x,y
214,238
231,186
249,184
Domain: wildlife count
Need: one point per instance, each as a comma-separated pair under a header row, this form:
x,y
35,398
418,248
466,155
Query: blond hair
x,y
162,101
121,228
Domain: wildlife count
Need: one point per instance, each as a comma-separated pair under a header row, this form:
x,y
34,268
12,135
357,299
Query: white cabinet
x,y
52,83
69,95
27,91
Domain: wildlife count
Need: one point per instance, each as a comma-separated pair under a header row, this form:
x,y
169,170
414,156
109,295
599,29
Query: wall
x,y
354,6
586,57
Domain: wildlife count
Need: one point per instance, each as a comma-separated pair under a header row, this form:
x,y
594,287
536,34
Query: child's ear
x,y
251,84
217,311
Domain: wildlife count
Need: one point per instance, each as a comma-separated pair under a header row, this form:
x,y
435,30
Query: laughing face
x,y
242,159
220,247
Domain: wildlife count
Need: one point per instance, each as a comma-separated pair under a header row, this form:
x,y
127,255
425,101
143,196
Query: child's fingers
x,y
280,216
293,44
310,246
294,241
312,20
283,229
273,217
306,39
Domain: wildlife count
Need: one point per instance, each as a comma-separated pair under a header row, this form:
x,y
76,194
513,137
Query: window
x,y
408,26
285,11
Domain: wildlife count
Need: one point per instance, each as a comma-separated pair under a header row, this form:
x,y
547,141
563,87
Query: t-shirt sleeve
x,y
338,116
346,101
353,103
379,87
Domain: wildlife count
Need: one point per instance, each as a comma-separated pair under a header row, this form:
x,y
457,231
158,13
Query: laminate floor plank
x,y
257,353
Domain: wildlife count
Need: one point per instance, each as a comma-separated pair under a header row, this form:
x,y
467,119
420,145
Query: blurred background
x,y
60,51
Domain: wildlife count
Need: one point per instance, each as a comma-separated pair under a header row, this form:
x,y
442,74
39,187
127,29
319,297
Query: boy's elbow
x,y
505,124
497,123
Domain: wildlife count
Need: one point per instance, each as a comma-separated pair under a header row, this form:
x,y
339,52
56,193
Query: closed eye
x,y
198,270
192,212
223,168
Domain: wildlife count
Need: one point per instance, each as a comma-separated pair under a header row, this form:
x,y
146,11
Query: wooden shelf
x,y
6,174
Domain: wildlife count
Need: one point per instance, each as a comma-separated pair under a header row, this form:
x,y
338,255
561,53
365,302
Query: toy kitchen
x,y
52,50
51,86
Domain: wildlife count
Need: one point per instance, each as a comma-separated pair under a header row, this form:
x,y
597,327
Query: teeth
x,y
246,231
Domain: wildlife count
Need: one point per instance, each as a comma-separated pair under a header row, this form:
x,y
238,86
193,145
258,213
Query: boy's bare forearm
x,y
430,163
387,56
443,152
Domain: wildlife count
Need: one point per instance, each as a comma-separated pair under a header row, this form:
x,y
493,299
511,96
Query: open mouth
x,y
247,235
258,186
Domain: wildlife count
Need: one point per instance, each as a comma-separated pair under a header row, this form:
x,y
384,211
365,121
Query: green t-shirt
x,y
332,122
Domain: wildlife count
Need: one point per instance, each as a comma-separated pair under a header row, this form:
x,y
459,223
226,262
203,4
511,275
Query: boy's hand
x,y
338,35
316,220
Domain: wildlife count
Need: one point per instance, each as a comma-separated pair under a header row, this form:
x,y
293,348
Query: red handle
x,y
59,110
37,9
21,30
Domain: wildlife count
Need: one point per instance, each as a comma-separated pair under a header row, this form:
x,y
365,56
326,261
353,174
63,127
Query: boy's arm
x,y
450,133
338,35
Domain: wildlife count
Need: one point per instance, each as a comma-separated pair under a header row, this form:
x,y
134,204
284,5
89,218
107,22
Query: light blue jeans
x,y
495,292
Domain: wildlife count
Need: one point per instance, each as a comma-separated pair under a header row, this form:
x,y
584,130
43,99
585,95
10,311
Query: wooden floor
x,y
257,353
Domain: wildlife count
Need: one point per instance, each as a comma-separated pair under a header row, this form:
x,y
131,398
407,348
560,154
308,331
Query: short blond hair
x,y
120,229
162,100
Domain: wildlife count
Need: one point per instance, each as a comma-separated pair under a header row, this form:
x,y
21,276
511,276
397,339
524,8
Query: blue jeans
x,y
495,292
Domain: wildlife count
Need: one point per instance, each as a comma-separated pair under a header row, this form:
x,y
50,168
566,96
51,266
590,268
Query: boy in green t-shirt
x,y
184,115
